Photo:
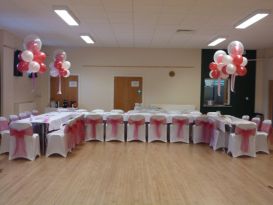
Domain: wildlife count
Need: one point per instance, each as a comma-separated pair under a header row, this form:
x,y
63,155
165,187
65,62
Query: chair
x,y
28,114
257,120
98,111
22,115
219,138
80,127
179,129
23,143
35,112
245,117
136,128
262,136
13,118
117,111
157,128
114,128
94,129
242,142
59,142
203,130
4,132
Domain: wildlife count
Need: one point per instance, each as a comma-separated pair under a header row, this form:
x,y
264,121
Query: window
x,y
211,97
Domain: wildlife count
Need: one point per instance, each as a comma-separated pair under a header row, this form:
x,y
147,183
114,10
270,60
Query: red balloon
x,y
60,57
22,66
224,70
213,66
58,64
32,46
39,57
63,72
241,70
215,74
42,68
238,60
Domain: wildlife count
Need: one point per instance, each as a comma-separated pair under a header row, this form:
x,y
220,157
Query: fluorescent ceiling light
x,y
67,16
251,20
217,41
87,39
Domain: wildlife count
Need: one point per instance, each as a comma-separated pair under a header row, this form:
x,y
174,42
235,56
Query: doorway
x,y
270,100
127,92
69,90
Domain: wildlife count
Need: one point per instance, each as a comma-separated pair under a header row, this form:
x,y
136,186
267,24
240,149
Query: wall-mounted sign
x,y
73,84
134,83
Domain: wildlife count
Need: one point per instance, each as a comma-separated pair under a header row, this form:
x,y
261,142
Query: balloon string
x,y
60,86
232,82
33,81
219,87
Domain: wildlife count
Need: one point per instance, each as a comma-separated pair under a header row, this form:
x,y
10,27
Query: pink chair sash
x,y
136,124
20,146
207,129
245,134
81,130
266,127
180,125
93,123
114,124
4,125
157,124
70,131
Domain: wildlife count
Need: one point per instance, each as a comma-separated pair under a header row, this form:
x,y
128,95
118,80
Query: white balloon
x,y
235,48
33,67
210,74
245,61
54,72
218,56
227,59
32,39
27,55
231,69
68,74
66,65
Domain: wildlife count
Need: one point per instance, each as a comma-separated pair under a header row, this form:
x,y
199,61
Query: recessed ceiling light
x,y
251,20
217,41
87,39
67,16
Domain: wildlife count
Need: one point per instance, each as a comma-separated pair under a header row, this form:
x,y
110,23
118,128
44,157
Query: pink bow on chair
x,y
20,146
157,123
180,125
246,134
114,124
207,129
93,123
71,131
137,124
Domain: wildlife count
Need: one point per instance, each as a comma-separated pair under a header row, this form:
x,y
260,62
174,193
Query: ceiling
x,y
139,23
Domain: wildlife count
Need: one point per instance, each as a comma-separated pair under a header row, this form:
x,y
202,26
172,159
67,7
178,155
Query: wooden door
x,y
270,99
69,89
127,92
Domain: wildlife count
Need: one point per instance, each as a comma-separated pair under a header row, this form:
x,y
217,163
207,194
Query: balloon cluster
x,y
60,66
232,63
32,60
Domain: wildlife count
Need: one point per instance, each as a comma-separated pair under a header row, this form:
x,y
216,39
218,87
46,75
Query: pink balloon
x,y
22,66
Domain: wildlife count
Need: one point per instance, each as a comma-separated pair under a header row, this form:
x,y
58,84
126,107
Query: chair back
x,y
15,126
136,118
214,114
118,111
257,120
35,112
22,115
266,126
158,119
98,111
13,118
4,124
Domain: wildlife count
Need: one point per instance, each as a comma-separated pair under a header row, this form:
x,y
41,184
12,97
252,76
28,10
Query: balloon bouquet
x,y
225,64
60,67
31,59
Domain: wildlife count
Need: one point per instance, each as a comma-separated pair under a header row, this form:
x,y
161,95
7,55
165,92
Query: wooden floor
x,y
138,173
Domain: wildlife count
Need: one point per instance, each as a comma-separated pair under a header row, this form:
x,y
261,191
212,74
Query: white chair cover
x,y
136,128
245,117
98,111
179,129
157,128
114,128
117,111
203,130
94,129
23,115
256,120
13,118
262,136
58,141
35,112
4,132
243,141
23,143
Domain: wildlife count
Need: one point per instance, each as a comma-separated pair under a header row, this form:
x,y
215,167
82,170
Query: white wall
x,y
96,86
14,90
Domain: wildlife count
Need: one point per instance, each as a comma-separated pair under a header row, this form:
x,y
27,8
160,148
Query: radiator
x,y
24,106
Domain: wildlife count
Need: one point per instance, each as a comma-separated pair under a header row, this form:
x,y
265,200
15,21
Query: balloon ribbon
x,y
60,85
